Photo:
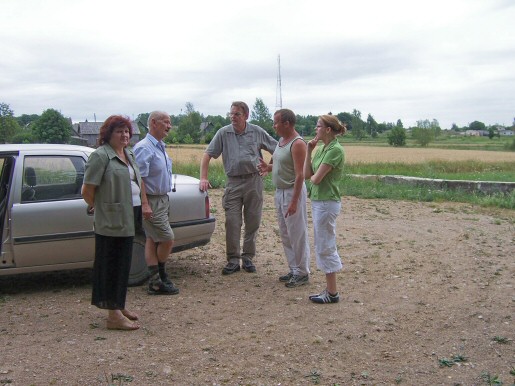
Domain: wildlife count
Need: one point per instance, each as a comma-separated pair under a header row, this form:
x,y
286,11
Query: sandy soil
x,y
423,285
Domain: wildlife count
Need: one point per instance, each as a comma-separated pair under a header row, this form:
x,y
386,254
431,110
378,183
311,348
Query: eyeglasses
x,y
234,114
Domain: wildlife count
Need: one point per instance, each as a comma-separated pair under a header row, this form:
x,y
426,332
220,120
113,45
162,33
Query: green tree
x,y
423,136
345,118
23,136
476,125
261,116
8,124
426,131
491,132
52,127
371,126
142,121
397,136
25,120
189,126
306,125
399,123
358,126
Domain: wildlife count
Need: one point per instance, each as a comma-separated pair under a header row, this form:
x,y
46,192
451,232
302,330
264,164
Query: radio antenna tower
x,y
278,91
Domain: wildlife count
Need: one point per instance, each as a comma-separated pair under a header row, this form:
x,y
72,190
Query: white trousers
x,y
324,226
294,230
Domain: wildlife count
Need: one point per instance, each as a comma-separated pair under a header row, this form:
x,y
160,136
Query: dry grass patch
x,y
371,154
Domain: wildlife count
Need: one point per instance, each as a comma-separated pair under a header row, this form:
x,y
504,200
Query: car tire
x,y
139,271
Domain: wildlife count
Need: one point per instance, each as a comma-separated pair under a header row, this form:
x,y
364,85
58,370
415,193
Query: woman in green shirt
x,y
325,173
113,187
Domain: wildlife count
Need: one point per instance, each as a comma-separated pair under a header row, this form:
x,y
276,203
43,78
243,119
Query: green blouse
x,y
329,187
114,214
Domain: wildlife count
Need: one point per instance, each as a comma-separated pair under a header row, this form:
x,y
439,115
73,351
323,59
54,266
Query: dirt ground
x,y
427,298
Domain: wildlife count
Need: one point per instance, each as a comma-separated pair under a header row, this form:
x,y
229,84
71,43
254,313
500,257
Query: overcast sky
x,y
450,60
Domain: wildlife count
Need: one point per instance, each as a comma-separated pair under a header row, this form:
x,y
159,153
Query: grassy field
x,y
444,141
476,165
373,154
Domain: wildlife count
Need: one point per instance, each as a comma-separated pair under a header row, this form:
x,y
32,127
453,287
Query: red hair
x,y
111,123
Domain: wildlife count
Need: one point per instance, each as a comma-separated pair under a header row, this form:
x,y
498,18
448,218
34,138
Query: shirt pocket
x,y
113,214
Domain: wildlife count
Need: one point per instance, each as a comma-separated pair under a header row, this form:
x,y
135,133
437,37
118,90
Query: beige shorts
x,y
158,227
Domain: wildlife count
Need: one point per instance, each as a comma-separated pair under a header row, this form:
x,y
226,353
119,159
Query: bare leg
x,y
331,282
150,252
164,249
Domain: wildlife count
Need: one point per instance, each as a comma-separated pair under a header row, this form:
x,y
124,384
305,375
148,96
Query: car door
x,y
49,222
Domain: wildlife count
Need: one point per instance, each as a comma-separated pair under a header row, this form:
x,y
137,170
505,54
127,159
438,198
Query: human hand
x,y
204,185
146,211
313,143
292,209
262,167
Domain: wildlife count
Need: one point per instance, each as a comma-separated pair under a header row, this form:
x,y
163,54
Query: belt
x,y
244,176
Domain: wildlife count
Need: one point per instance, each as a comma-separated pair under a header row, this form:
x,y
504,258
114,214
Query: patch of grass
x,y
448,170
314,376
501,340
489,379
449,362
445,362
373,189
119,379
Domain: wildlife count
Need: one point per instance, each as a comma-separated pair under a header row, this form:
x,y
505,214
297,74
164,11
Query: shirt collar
x,y
247,128
154,140
110,151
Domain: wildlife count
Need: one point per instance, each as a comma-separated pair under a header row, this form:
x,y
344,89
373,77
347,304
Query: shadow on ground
x,y
45,281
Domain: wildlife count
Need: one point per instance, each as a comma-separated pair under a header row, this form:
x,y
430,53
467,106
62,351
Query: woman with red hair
x,y
114,191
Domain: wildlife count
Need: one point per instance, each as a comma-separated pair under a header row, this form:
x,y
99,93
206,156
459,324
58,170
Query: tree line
x,y
193,127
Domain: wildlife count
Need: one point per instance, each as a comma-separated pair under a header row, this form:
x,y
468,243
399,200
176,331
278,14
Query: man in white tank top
x,y
290,197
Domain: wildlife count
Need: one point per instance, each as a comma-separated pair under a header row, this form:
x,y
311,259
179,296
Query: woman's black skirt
x,y
111,269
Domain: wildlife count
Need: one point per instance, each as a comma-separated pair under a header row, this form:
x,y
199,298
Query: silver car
x,y
44,221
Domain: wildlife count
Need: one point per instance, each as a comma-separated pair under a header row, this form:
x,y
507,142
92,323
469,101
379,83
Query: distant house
x,y
477,133
206,127
90,130
506,133
75,138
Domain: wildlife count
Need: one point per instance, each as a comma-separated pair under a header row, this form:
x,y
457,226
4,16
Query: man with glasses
x,y
240,145
156,172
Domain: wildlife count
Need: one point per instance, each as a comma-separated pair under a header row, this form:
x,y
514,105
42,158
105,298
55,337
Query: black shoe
x,y
160,288
325,297
285,278
165,279
248,266
230,268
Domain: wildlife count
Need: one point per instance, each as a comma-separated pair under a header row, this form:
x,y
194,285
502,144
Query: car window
x,y
49,178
